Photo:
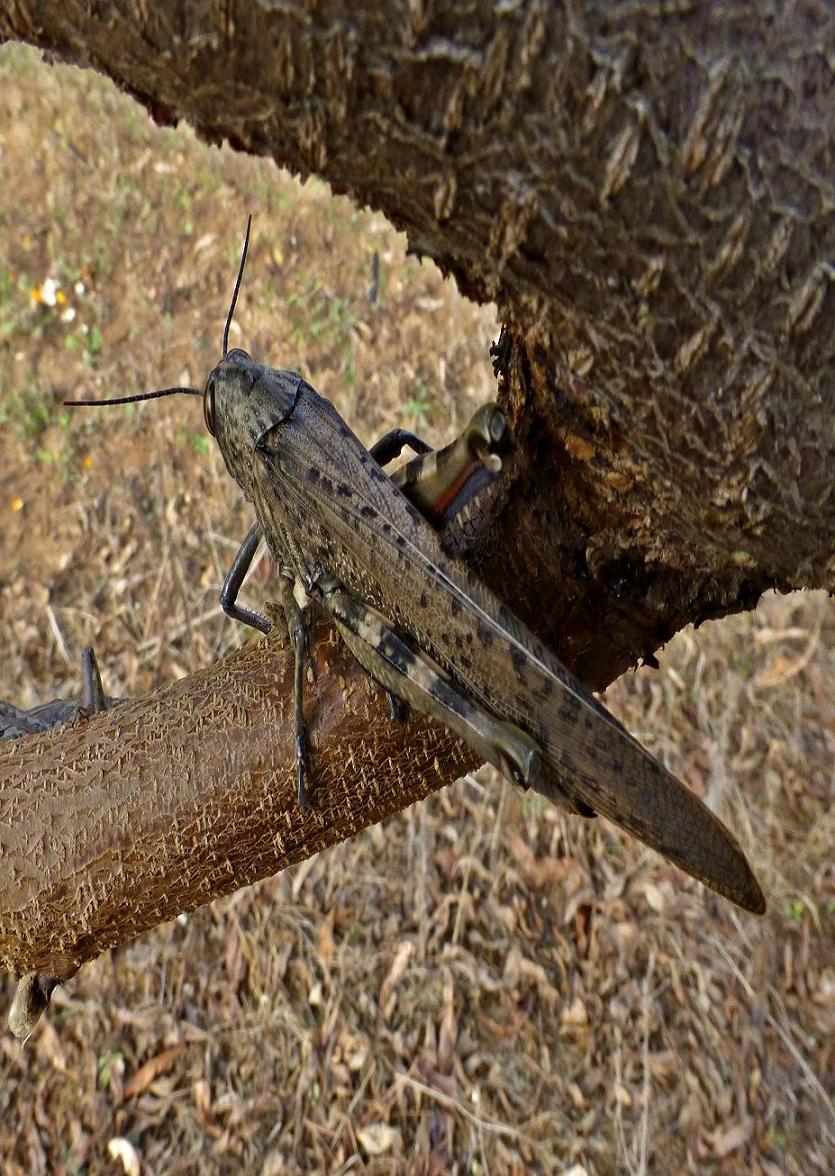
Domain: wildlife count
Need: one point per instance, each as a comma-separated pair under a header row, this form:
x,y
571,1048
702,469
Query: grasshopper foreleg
x,y
235,577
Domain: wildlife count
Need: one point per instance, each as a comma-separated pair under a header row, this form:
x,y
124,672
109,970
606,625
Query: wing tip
x,y
749,895
731,877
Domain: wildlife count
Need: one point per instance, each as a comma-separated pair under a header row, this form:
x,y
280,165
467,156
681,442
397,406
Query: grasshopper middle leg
x,y
296,628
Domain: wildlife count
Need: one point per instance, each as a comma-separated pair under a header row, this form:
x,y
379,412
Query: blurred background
x,y
477,985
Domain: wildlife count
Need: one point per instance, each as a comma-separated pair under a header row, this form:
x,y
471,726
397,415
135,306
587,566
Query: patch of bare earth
x,y
478,985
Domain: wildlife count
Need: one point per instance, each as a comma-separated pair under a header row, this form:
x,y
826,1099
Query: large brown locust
x,y
348,536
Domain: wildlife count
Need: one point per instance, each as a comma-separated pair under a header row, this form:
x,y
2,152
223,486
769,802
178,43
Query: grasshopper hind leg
x,y
417,680
398,707
297,629
562,797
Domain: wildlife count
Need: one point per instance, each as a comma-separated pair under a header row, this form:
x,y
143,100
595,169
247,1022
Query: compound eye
x,y
209,406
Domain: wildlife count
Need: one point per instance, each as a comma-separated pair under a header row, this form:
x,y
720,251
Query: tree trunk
x,y
647,194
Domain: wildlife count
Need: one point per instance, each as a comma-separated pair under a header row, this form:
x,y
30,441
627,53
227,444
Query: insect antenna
x,y
186,391
133,399
238,281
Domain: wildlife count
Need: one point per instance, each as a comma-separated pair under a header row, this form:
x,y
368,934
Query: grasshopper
x,y
363,545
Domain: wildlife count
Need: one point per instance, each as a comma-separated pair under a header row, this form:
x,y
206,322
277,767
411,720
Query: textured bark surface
x,y
647,194
123,820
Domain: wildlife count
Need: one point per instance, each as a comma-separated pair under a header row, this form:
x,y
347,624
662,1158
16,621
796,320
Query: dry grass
x,y
478,985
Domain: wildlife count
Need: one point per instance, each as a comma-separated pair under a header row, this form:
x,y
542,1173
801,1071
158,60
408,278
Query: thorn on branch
x,y
30,1000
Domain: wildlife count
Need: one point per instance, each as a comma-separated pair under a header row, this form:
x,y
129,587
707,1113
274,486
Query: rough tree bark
x,y
645,191
120,821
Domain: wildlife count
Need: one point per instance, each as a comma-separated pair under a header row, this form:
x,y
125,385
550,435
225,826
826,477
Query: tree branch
x,y
123,820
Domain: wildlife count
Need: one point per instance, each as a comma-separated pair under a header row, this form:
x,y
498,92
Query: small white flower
x,y
68,315
49,292
79,288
